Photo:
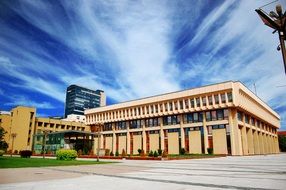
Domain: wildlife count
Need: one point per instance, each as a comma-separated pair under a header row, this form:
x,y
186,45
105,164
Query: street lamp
x,y
277,21
13,135
98,141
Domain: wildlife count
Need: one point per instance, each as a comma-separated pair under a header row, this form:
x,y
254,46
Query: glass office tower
x,y
79,98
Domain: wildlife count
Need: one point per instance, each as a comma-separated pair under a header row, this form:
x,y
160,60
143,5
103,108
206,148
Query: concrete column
x,y
206,141
269,144
144,145
182,132
261,143
266,148
128,139
162,136
256,142
113,139
244,138
101,141
250,141
235,138
272,145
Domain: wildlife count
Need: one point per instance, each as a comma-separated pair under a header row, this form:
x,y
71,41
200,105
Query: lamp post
x,y
277,21
13,135
98,141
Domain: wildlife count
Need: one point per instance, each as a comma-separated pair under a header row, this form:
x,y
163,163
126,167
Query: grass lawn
x,y
16,162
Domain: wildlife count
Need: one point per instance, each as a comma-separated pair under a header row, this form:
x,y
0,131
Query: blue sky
x,y
132,49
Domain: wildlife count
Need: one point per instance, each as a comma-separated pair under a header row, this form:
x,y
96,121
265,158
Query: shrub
x,y
2,152
142,153
156,154
85,151
111,153
25,153
182,151
107,152
151,154
210,150
116,153
63,154
123,154
139,151
15,151
79,152
160,152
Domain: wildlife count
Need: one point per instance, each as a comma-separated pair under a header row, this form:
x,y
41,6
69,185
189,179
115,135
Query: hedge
x,y
66,154
25,153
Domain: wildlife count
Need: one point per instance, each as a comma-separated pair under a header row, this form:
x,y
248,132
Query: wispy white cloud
x,y
31,82
127,48
23,101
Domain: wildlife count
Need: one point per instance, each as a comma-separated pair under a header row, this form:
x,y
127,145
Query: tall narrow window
x,y
171,106
152,109
214,117
181,104
225,113
229,97
208,116
247,119
222,96
220,114
239,116
198,102
204,101
216,99
210,99
196,117
176,105
187,104
192,103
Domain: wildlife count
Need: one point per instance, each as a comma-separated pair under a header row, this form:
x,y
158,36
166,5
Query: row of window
x,y
255,122
217,115
165,107
195,117
57,126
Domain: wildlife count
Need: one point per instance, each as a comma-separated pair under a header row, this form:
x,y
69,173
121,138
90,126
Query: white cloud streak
x,y
23,101
130,49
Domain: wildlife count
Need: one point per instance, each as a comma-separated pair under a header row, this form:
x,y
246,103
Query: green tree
x,y
3,143
282,143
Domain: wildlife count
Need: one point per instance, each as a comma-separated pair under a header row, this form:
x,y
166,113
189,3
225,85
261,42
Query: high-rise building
x,y
79,98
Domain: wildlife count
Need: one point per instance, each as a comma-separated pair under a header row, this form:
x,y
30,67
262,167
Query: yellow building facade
x,y
22,123
226,117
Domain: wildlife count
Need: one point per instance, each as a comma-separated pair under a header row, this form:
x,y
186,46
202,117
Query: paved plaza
x,y
248,172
